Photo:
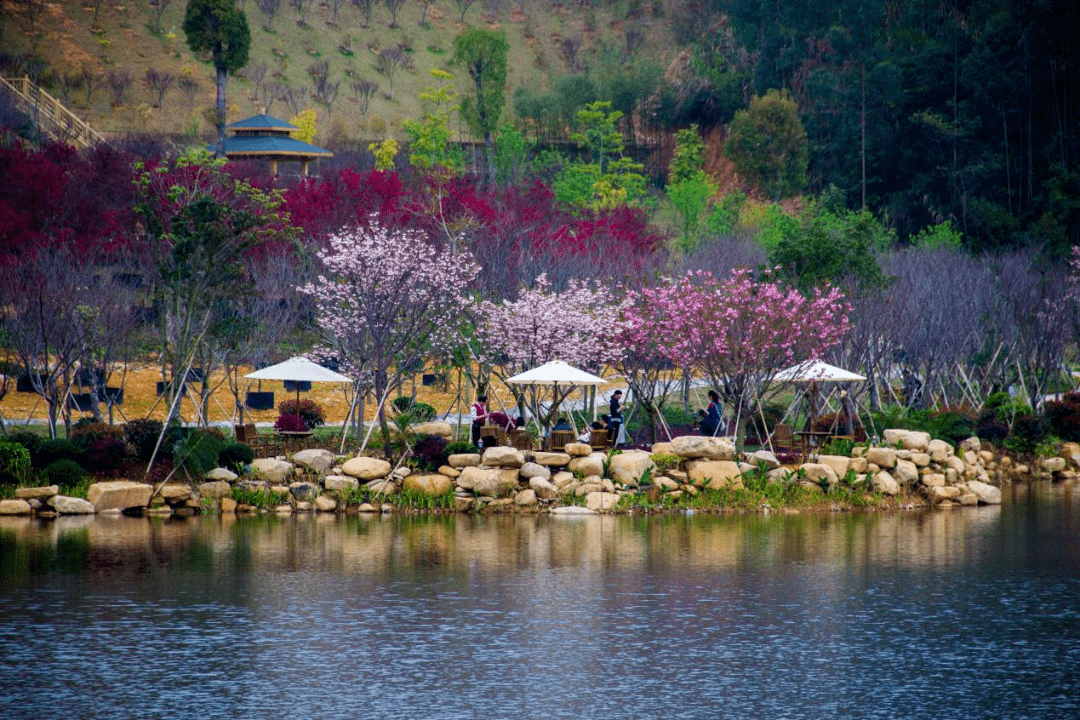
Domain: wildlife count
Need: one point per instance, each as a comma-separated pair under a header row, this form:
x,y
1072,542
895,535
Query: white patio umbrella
x,y
298,369
813,372
556,373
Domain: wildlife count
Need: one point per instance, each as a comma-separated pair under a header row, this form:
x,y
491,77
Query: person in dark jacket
x,y
615,418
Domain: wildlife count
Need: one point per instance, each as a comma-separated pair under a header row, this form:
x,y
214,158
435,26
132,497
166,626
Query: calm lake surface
x,y
971,613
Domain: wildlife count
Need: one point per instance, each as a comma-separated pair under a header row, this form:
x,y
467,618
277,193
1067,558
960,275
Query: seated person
x,y
586,435
561,424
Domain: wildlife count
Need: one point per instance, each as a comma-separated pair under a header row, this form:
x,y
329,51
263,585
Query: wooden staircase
x,y
48,114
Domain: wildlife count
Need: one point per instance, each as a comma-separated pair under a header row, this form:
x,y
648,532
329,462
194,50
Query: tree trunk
x,y
219,149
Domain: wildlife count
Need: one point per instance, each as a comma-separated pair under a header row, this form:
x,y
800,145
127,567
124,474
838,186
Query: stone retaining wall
x,y
507,480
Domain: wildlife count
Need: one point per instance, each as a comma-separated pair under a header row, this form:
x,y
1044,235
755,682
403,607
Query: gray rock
x,y
440,428
500,483
882,457
939,450
766,457
819,472
577,449
315,459
544,488
587,465
572,510
325,503
342,483
986,493
629,467
838,463
883,482
304,491
71,506
906,473
271,470
534,470
222,474
716,474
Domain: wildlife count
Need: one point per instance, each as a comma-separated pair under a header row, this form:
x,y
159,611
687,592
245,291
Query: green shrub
x,y
953,426
1027,432
14,462
64,472
460,447
143,435
197,454
29,440
235,456
86,433
665,462
58,449
417,411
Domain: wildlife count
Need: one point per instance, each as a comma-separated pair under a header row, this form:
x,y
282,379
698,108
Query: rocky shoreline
x,y
908,465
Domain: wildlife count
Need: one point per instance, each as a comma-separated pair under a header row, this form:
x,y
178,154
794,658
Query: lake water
x,y
971,613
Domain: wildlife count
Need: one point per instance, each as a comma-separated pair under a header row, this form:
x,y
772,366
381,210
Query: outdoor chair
x,y
560,438
521,439
782,437
598,439
263,446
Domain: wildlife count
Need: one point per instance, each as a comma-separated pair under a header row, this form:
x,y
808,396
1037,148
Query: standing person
x,y
615,418
712,415
479,417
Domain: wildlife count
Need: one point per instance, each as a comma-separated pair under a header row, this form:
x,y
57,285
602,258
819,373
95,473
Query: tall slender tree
x,y
220,29
483,55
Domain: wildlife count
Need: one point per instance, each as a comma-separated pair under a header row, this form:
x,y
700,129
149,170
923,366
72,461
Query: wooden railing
x,y
49,114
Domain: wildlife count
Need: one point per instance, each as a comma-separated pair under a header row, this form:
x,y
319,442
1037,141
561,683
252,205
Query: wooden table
x,y
294,439
807,439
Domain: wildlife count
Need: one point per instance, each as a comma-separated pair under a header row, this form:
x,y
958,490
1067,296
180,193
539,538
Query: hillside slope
x,y
125,42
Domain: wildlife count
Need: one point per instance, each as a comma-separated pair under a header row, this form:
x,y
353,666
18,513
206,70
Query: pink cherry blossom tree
x,y
385,300
741,331
576,325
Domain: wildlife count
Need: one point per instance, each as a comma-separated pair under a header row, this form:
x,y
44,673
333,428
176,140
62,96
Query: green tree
x,y
429,137
689,157
768,145
483,55
220,29
609,179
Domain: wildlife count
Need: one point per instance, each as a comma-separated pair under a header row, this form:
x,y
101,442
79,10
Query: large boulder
x,y
531,470
882,457
325,503
214,489
820,474
548,459
222,474
340,483
576,449
491,482
15,506
987,494
434,484
443,429
272,470
463,460
601,501
544,488
884,483
119,495
502,457
37,493
71,506
906,473
838,463
366,468
699,446
629,467
588,465
939,450
304,491
714,474
174,493
764,457
908,439
315,459
525,498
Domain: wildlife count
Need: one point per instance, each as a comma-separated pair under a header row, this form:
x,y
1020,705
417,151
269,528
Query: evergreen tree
x,y
219,29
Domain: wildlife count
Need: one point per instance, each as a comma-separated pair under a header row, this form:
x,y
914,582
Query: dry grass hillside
x,y
125,41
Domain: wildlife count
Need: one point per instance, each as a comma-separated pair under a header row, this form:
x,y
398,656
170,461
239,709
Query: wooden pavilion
x,y
263,137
